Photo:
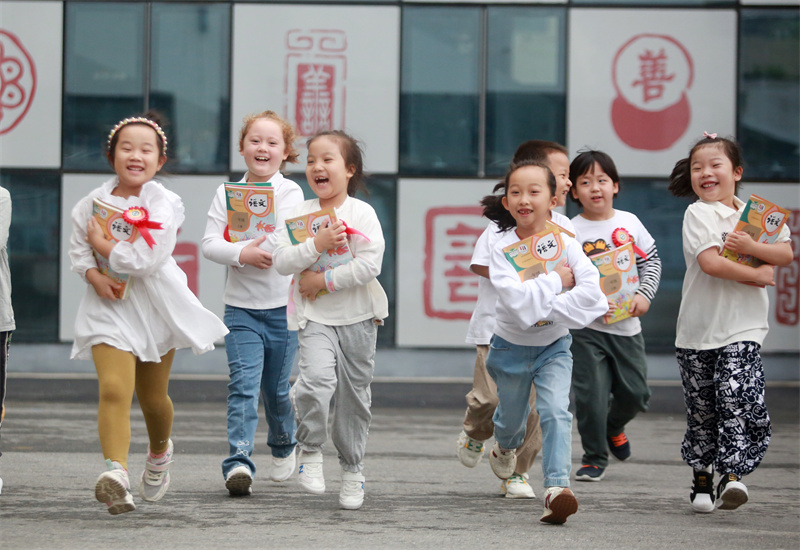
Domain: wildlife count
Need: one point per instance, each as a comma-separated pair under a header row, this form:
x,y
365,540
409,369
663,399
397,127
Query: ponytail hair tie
x,y
710,136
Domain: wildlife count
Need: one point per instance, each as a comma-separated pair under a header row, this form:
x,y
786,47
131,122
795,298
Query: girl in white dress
x,y
132,339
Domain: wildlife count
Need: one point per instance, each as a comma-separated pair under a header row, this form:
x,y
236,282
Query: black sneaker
x,y
619,446
702,496
731,493
590,473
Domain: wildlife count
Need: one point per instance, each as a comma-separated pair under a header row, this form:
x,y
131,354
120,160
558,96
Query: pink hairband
x,y
141,120
710,136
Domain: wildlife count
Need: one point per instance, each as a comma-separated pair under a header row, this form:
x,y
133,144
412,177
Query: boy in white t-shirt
x,y
609,373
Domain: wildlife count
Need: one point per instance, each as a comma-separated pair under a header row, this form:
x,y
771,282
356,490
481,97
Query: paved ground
x,y
418,494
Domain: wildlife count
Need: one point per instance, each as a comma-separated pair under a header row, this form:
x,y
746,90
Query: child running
x,y
133,340
338,329
609,373
259,346
7,324
721,326
482,399
531,340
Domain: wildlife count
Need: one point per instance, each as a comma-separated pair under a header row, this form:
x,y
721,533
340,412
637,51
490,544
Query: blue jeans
x,y
260,352
549,368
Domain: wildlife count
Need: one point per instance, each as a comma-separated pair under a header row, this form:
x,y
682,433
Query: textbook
x,y
619,280
763,221
536,255
116,229
251,210
305,227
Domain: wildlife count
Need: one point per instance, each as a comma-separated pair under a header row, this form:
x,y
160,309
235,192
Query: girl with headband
x,y
137,309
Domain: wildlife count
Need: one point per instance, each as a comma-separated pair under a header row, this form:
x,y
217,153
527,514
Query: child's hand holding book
x,y
330,237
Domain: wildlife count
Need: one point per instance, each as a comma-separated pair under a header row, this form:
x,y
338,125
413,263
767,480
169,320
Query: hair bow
x,y
710,136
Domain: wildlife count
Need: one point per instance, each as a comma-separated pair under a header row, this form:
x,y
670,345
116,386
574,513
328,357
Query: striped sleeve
x,y
649,273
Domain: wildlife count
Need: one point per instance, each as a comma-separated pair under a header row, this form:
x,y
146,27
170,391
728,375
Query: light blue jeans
x,y
261,353
549,368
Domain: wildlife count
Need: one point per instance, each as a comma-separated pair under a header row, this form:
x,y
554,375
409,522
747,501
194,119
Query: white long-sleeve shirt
x,y
535,312
160,312
358,295
248,286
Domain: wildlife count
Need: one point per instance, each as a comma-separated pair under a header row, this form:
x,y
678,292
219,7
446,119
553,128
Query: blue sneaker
x,y
590,473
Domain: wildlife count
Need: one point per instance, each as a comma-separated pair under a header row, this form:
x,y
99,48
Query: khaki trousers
x,y
481,403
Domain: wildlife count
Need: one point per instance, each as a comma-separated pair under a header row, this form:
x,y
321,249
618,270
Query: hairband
x,y
710,136
142,120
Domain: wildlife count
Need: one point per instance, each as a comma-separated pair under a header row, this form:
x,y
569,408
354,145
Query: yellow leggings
x,y
119,373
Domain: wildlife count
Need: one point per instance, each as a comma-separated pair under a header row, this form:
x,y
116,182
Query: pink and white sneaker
x,y
155,477
113,488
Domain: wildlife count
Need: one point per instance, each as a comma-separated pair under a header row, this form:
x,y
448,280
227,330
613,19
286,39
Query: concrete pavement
x,y
418,494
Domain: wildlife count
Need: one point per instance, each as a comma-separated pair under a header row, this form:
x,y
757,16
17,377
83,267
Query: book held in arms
x,y
763,221
251,210
619,280
537,255
305,227
115,229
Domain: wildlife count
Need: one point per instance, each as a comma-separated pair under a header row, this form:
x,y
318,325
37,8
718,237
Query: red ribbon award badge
x,y
620,237
137,216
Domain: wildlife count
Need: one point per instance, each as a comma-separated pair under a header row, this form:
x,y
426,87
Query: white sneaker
x,y
517,487
113,488
351,495
559,503
731,493
282,468
309,474
238,481
155,477
503,461
470,451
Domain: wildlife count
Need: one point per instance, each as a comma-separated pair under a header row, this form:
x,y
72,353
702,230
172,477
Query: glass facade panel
x,y
526,97
33,250
440,89
769,93
189,83
103,77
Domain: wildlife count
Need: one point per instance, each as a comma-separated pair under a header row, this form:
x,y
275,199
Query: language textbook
x,y
116,229
251,210
537,254
305,227
763,221
619,280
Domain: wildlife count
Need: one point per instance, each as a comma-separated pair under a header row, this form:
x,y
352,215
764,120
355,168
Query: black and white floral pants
x,y
727,423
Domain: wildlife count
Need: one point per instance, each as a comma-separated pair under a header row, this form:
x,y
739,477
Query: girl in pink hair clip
x,y
137,309
721,325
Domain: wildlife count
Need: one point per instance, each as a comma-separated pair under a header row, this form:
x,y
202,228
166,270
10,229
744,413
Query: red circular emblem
x,y
17,81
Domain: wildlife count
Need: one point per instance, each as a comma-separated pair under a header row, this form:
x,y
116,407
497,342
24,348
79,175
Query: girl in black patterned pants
x,y
722,323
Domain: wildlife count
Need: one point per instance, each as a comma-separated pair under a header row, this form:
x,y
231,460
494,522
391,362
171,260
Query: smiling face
x,y
595,190
137,158
558,163
326,171
263,149
713,175
529,200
